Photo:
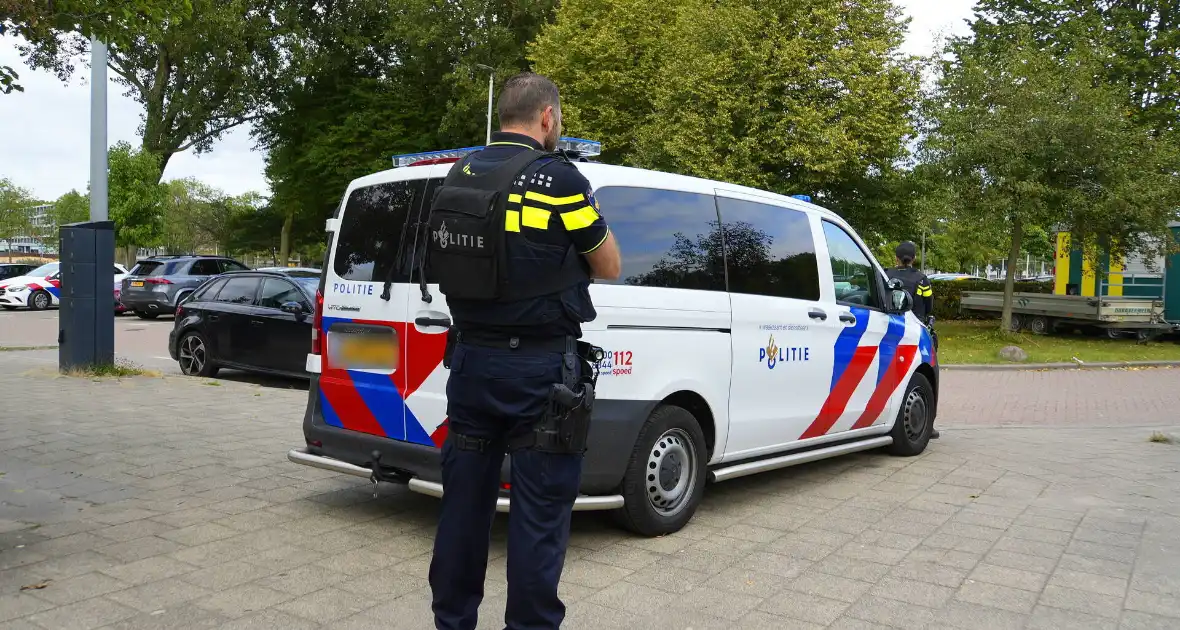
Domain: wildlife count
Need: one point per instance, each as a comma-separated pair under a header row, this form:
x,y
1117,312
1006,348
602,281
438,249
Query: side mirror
x,y
899,297
294,308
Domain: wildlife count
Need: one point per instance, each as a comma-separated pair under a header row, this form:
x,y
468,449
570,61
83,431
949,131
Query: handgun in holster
x,y
565,425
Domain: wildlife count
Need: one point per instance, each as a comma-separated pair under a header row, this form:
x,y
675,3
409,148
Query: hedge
x,y
948,292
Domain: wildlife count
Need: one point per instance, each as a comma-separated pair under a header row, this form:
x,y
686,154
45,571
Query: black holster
x,y
564,427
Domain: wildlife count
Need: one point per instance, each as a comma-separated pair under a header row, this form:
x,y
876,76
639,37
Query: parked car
x,y
13,270
157,284
954,276
120,308
254,320
40,288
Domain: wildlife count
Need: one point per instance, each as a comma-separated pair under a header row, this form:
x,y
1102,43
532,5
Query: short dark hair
x,y
906,252
525,96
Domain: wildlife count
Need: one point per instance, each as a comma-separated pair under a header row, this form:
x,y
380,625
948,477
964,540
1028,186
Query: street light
x,y
491,82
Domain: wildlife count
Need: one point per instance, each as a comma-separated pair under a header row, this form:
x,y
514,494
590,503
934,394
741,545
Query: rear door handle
x,y
256,322
214,318
445,322
848,318
815,313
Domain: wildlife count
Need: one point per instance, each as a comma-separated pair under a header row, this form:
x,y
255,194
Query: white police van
x,y
748,331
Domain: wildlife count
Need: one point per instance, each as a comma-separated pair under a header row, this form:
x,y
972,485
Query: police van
x,y
748,331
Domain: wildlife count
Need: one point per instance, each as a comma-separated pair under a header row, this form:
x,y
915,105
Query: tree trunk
x,y
1010,276
285,239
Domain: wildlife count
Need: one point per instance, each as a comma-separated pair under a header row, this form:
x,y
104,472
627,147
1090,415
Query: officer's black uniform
x,y
913,280
495,393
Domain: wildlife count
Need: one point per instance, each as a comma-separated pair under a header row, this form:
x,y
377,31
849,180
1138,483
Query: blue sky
x,y
46,128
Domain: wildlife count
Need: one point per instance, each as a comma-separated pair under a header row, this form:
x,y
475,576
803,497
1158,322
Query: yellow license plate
x,y
137,284
365,351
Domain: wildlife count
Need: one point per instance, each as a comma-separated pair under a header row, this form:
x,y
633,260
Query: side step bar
x,y
794,459
583,503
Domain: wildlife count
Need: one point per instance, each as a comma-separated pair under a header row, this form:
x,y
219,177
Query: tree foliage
x,y
197,73
1026,139
370,79
1139,44
14,215
794,97
72,207
135,196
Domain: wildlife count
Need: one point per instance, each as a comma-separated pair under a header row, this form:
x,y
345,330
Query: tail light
x,y
156,281
317,322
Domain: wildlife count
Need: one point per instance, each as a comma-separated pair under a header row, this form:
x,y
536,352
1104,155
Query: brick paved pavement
x,y
189,516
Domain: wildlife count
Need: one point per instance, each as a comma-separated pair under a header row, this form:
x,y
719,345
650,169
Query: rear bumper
x,y
147,301
613,433
583,503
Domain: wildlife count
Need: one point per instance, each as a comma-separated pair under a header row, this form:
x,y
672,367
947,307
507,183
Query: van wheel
x,y
915,419
665,478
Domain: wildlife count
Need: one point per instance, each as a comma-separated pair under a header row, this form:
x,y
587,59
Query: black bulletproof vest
x,y
480,266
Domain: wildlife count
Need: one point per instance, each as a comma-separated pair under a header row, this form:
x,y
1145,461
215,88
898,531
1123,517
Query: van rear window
x,y
372,230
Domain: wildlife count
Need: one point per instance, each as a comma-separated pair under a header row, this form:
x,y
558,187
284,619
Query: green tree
x,y
197,73
792,97
72,207
14,215
370,79
119,22
1027,140
1140,41
136,198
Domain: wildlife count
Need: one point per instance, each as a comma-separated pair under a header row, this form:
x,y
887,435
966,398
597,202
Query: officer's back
x,y
516,239
913,280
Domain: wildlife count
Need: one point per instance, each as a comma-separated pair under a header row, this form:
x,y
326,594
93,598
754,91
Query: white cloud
x,y
45,130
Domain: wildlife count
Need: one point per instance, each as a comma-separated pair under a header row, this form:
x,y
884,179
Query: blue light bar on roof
x,y
584,148
806,198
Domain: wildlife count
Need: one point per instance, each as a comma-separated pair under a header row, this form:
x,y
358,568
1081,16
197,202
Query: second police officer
x,y
917,284
516,236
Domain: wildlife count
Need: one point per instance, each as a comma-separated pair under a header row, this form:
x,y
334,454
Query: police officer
x,y
918,285
516,238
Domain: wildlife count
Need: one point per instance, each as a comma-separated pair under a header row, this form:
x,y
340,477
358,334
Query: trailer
x,y
1128,298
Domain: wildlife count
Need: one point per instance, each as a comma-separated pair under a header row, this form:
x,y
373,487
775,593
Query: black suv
x,y
155,285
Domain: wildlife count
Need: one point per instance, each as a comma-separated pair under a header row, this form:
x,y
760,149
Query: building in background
x,y
41,239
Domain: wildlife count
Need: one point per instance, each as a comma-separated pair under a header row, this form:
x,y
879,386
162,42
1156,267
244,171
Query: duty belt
x,y
512,342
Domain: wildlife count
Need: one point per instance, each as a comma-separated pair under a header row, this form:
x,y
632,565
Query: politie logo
x,y
772,355
446,237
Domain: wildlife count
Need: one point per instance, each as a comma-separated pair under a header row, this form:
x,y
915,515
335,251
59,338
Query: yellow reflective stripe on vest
x,y
553,201
535,218
579,219
925,291
514,198
512,221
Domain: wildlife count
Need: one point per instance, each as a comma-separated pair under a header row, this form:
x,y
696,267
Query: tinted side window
x,y
372,228
277,292
238,291
204,267
854,277
229,265
209,291
668,238
769,250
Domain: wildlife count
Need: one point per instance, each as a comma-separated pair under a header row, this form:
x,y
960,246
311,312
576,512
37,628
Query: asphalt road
x,y
139,341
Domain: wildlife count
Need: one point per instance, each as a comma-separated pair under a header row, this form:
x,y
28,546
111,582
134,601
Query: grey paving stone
x,y
997,596
327,605
1082,601
1154,603
890,612
84,615
829,586
913,592
968,616
1014,578
1021,561
1046,618
19,605
1103,585
165,593
805,607
1134,620
78,588
678,581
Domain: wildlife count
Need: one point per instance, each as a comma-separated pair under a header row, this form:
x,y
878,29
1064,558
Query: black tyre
x,y
40,300
192,353
665,478
1040,325
915,419
1017,323
146,315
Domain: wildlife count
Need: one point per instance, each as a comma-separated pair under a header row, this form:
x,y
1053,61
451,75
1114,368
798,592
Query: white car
x,y
749,331
40,288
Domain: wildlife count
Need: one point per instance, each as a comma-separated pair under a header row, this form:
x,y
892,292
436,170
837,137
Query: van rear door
x,y
363,356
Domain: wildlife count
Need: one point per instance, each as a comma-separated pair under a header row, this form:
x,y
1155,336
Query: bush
x,y
947,294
